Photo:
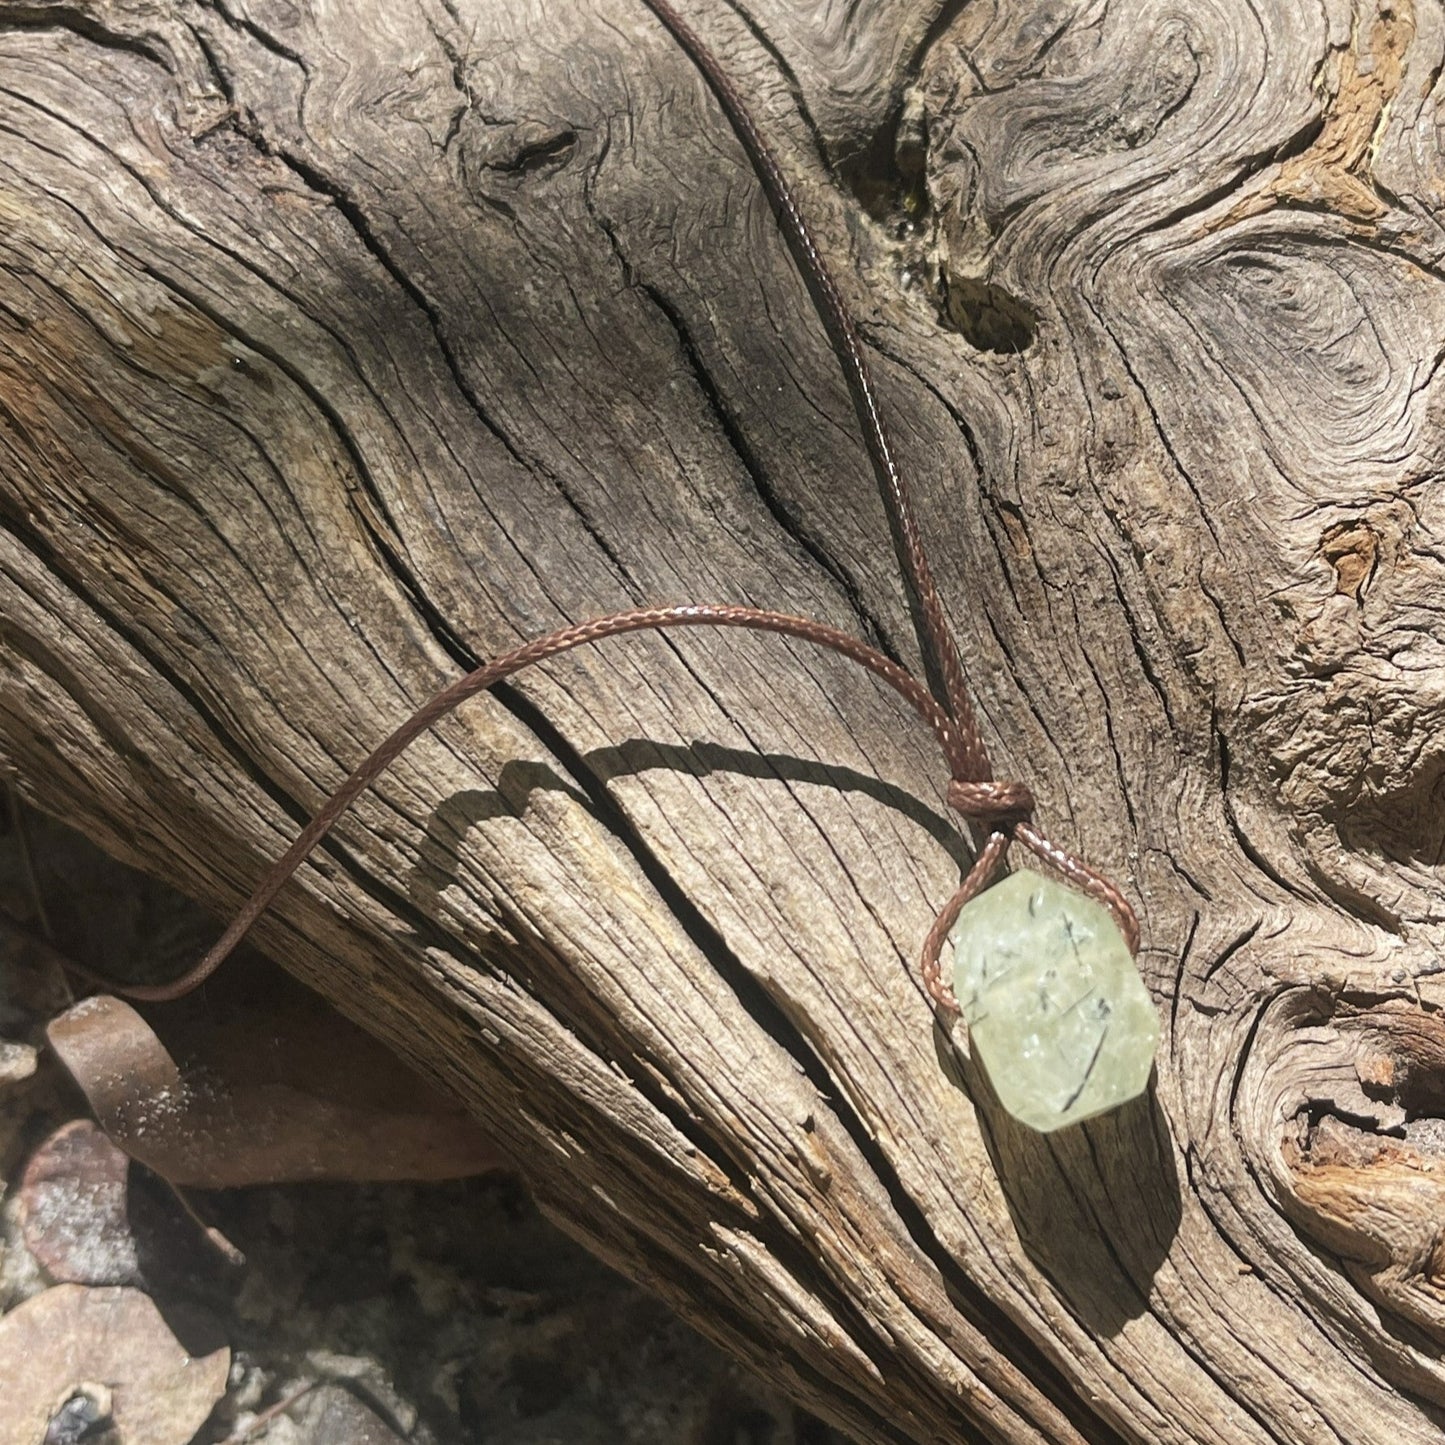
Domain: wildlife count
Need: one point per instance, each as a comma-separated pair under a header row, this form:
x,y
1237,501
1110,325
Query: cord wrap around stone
x,y
1006,808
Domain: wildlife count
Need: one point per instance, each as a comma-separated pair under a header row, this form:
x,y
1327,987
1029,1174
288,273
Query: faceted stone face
x,y
1056,1011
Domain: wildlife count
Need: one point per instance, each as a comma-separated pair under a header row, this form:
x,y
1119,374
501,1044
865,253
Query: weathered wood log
x,y
343,345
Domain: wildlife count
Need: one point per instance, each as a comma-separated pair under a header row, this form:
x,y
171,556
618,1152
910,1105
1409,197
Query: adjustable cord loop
x,y
991,802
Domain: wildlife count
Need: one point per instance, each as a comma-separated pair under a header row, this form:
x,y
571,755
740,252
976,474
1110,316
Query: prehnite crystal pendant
x,y
1056,1010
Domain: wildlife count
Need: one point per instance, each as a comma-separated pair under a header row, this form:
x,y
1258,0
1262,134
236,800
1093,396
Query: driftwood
x,y
344,345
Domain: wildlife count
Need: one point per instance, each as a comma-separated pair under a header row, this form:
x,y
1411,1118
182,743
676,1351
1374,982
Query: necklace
x,y
1043,973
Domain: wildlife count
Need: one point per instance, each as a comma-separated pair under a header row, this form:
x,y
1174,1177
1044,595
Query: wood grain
x,y
344,345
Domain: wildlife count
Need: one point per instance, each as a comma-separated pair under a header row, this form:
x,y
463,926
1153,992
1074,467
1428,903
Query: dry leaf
x,y
90,1215
276,1087
73,1200
72,1354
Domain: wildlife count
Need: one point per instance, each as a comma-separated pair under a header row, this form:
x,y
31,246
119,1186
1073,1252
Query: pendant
x,y
1056,1010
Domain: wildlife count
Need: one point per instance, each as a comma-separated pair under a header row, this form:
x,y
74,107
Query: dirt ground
x,y
354,1314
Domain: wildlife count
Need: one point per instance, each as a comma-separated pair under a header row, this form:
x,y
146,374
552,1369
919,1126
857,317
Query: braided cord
x,y
1002,809
938,640
642,619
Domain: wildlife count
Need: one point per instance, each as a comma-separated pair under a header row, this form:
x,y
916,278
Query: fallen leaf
x,y
275,1087
73,1351
90,1214
73,1199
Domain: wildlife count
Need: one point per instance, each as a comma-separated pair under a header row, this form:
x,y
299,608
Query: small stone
x,y
1056,1010
17,1062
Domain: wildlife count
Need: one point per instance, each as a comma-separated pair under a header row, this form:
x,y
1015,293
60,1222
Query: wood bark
x,y
345,344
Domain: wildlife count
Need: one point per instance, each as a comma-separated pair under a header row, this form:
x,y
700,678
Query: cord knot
x,y
991,802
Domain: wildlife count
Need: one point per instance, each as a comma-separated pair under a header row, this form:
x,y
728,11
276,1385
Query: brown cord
x,y
973,792
972,761
642,619
1004,809
974,882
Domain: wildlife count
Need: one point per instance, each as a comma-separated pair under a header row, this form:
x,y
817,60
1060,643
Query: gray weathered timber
x,y
344,344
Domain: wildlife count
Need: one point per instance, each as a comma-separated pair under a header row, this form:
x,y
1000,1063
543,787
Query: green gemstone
x,y
1056,1011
